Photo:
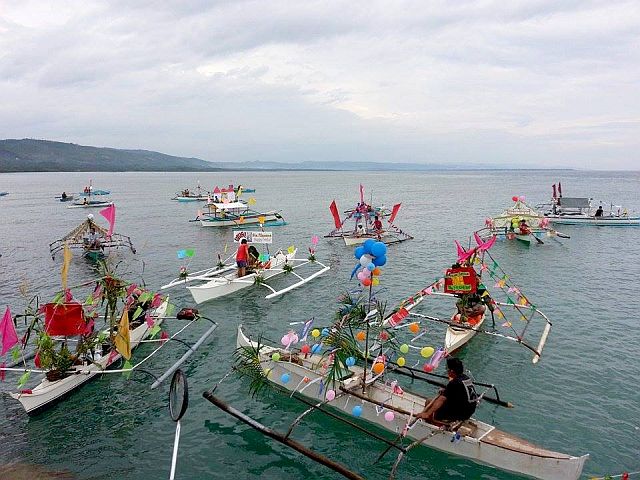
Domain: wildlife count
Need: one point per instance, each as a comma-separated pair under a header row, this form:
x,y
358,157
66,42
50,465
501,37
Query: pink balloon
x,y
331,394
521,198
389,416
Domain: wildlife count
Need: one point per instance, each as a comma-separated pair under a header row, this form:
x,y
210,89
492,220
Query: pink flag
x,y
110,214
361,193
394,212
7,332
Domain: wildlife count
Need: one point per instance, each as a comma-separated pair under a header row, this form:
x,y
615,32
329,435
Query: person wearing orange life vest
x,y
524,228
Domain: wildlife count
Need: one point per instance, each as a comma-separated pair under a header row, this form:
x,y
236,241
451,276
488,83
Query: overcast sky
x,y
522,83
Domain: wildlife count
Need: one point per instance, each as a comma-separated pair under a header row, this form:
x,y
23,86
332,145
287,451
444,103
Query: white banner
x,y
252,237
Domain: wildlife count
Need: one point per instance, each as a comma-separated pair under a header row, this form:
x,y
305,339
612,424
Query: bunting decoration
x,y
66,261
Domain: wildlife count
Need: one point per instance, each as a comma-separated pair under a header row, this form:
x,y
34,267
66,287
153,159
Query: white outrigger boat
x,y
87,202
236,214
364,224
188,196
222,280
472,439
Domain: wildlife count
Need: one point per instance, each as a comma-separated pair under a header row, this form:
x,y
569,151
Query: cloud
x,y
527,82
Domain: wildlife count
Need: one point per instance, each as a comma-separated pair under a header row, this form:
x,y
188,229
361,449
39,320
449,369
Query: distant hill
x,y
30,155
46,156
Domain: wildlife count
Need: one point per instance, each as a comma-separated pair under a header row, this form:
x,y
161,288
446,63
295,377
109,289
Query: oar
x,y
562,235
537,239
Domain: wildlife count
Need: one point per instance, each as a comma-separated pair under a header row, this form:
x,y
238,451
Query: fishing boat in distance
x,y
223,279
365,222
2,194
520,222
94,241
581,211
187,195
236,214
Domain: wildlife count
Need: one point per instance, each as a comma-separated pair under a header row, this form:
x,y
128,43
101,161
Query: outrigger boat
x,y
580,211
223,279
236,214
474,301
188,196
508,225
70,350
2,194
87,202
93,249
364,218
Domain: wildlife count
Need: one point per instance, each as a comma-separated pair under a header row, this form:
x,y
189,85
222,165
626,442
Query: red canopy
x,y
66,319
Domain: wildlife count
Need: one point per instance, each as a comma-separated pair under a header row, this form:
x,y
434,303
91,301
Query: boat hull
x,y
595,221
47,393
457,337
90,205
230,283
482,444
208,221
190,199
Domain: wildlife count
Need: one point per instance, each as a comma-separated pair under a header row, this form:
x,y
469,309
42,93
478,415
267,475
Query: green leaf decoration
x,y
154,331
127,366
190,252
15,353
23,379
137,313
171,308
510,301
145,297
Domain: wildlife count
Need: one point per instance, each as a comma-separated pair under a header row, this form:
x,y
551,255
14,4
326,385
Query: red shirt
x,y
243,252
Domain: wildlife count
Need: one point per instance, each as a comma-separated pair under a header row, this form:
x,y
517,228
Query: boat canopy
x,y
574,202
227,206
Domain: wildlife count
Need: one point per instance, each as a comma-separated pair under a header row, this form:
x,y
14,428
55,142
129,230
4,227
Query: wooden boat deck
x,y
511,442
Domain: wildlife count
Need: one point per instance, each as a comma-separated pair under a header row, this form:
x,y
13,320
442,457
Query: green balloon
x,y
404,348
275,357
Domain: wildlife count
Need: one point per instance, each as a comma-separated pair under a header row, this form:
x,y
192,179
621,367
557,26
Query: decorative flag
x,y
188,253
251,201
226,245
127,366
8,332
291,249
2,371
336,216
261,219
305,330
554,190
66,260
121,341
314,240
241,220
394,212
216,190
164,336
110,214
361,193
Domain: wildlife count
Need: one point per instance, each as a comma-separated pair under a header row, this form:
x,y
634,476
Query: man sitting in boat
x,y
93,240
64,195
457,401
470,309
599,211
524,228
377,225
85,201
242,257
254,255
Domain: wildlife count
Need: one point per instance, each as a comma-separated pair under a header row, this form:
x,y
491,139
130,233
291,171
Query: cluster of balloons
x,y
515,198
372,256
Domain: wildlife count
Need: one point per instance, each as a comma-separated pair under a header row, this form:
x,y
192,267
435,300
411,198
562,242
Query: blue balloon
x,y
357,411
350,361
379,249
316,348
380,261
285,378
325,332
368,244
358,252
371,266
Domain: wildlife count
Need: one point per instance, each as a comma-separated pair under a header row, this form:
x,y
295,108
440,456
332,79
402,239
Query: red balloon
x,y
514,198
427,368
366,282
305,349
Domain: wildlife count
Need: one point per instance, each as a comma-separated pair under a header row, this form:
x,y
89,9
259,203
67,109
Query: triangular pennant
x,y
122,340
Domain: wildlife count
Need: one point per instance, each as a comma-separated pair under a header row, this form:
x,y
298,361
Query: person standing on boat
x,y
242,256
457,401
599,211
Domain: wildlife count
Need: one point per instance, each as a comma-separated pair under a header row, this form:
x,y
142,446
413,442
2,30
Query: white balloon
x,y
365,260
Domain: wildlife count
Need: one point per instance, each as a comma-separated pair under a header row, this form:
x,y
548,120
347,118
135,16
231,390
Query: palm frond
x,y
248,364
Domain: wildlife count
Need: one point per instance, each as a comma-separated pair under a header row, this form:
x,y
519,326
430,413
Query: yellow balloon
x,y
375,281
426,352
401,362
315,333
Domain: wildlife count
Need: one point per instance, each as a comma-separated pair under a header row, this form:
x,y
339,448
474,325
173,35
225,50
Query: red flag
x,y
394,212
110,214
559,189
554,190
336,216
361,193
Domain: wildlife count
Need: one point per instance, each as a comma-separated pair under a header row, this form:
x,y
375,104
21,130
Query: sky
x,y
538,83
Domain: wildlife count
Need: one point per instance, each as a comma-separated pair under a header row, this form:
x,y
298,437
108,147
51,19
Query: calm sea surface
x,y
583,396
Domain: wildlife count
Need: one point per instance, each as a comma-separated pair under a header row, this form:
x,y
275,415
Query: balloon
x,y
365,260
414,327
380,261
371,267
275,357
426,352
331,394
376,271
378,249
401,362
375,282
361,275
315,333
325,332
305,349
361,336
378,368
285,378
368,244
389,416
427,368
404,348
358,252
366,282
350,361
316,348
357,411
384,335
514,198
521,198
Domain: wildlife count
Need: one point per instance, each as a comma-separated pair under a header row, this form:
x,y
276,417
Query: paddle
x,y
537,239
562,235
